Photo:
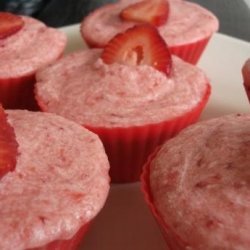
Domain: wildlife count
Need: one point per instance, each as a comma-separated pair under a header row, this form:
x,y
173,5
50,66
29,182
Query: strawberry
x,y
9,24
246,77
8,145
140,44
154,12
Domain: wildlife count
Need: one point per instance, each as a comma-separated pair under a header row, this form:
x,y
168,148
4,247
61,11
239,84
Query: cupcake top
x,y
187,22
60,181
83,88
200,183
32,47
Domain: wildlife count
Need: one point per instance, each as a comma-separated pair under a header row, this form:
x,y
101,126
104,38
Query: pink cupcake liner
x,y
128,148
190,52
71,244
17,93
173,240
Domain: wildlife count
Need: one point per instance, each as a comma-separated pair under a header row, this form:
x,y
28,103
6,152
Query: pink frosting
x,y
187,23
60,182
31,48
83,88
200,183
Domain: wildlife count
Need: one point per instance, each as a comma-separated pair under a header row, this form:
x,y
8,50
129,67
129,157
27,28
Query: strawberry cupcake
x,y
185,26
133,94
26,45
53,181
198,185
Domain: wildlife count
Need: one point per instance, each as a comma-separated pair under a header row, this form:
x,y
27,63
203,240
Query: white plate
x,y
125,223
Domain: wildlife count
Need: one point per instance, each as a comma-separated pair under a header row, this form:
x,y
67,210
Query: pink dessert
x,y
187,29
21,55
198,187
83,88
132,108
246,77
59,184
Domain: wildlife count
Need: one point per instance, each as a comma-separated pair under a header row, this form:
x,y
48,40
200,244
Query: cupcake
x,y
198,185
57,186
186,27
246,77
26,45
133,94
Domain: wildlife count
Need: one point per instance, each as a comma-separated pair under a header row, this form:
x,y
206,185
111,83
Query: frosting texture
x,y
83,88
200,183
187,23
31,48
60,182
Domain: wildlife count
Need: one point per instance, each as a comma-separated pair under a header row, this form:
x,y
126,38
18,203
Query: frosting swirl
x,y
83,88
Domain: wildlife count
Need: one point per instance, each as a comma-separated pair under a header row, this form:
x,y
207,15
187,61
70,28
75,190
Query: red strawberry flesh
x,y
9,24
246,77
154,12
8,145
138,45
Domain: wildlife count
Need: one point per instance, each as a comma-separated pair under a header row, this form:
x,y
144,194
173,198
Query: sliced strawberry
x,y
9,24
8,145
246,77
154,12
141,44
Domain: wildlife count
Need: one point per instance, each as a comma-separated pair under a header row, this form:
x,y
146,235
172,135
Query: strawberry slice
x,y
246,77
140,44
154,12
9,24
8,145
